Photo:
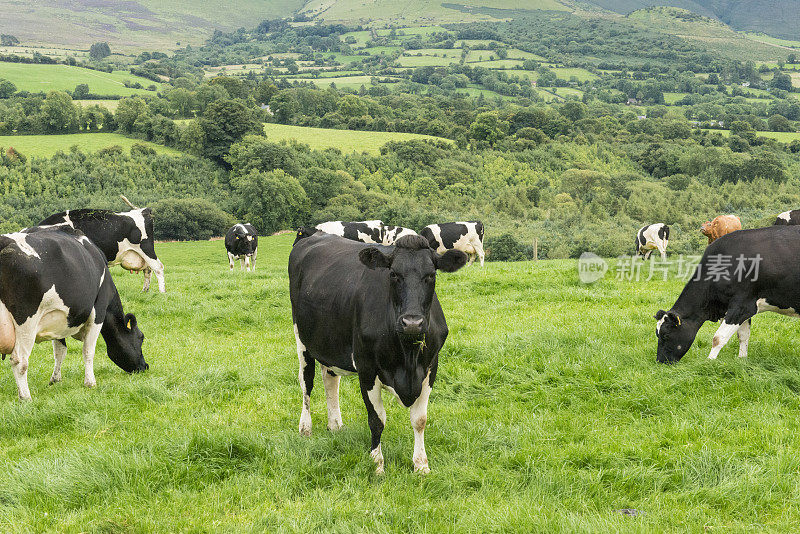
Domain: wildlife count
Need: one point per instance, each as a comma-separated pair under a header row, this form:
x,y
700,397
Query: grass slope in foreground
x,y
47,145
549,413
43,78
344,140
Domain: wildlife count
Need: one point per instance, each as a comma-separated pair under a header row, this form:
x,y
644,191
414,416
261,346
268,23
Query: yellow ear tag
x,y
679,320
129,324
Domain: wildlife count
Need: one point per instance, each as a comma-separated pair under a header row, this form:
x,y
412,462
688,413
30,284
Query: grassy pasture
x,y
784,137
426,61
549,414
672,98
582,75
47,145
44,78
344,140
343,82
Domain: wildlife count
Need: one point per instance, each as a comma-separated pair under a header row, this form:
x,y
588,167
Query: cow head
x,y
675,336
705,228
411,271
125,345
304,232
245,243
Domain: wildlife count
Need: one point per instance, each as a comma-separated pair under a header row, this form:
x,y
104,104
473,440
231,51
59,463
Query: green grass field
x,y
784,137
344,140
44,78
426,61
549,414
47,145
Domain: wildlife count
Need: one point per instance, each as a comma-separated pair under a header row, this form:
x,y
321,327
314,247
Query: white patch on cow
x,y
469,243
659,323
332,227
52,318
340,372
331,384
721,337
305,414
786,216
744,338
59,351
138,219
419,418
652,241
390,237
102,278
67,220
22,243
763,306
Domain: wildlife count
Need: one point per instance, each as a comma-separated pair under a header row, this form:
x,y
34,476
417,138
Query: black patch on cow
x,y
794,219
663,232
353,229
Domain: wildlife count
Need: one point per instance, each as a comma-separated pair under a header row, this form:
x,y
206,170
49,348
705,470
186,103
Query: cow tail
x,y
128,202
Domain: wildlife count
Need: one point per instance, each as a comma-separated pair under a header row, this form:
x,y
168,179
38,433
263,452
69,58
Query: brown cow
x,y
721,225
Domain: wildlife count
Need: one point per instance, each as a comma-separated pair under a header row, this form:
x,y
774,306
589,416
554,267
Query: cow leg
x,y
744,338
479,250
231,260
306,376
59,351
247,262
158,269
331,382
376,417
471,259
241,262
255,253
647,254
721,337
148,272
663,251
19,363
419,418
89,343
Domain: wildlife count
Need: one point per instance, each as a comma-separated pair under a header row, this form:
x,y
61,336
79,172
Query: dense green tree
x,y
226,122
7,88
99,51
271,201
779,123
59,114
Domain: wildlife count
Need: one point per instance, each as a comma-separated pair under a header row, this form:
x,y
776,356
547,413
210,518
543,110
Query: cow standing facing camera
x,y
55,283
371,311
241,242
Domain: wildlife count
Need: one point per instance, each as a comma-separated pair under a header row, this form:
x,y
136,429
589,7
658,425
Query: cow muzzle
x,y
412,325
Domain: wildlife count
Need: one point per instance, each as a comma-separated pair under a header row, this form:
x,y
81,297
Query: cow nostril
x,y
412,322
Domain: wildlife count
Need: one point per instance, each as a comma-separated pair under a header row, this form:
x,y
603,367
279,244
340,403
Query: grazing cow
x,y
372,311
741,274
392,233
364,231
788,218
721,225
241,242
304,232
652,237
125,238
464,236
55,283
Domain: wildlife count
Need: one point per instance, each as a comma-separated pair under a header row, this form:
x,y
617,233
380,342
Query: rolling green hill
x,y
780,18
133,24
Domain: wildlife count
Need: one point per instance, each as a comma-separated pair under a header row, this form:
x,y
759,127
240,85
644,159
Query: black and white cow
x,y
740,274
125,238
464,236
788,217
372,311
364,231
241,242
392,233
54,284
650,238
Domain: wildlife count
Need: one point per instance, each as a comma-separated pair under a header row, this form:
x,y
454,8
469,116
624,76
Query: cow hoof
x,y
90,383
423,470
335,425
55,380
379,470
305,428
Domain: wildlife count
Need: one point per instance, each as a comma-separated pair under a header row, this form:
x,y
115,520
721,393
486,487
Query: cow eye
x,y
395,276
430,278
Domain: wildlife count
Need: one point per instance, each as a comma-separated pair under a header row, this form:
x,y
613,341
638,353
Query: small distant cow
x,y
741,274
370,311
125,238
392,233
652,237
363,231
788,218
464,236
54,283
720,226
241,242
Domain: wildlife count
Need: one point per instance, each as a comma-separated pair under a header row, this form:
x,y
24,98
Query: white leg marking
x,y
19,364
419,418
147,274
247,262
255,253
332,397
479,249
158,268
744,338
241,262
89,342
376,400
721,337
231,260
305,414
647,254
59,351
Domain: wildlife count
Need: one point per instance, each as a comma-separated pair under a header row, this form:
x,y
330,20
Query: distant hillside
x,y
780,18
130,25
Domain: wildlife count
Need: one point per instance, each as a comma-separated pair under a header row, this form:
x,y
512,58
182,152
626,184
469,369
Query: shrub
x,y
186,219
506,247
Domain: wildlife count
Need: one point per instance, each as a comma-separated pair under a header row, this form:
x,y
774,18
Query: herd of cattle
x,y
362,295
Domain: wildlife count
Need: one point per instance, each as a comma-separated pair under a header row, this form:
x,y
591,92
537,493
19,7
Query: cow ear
x,y
450,261
130,321
374,258
659,314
